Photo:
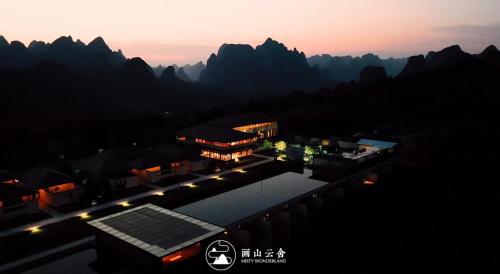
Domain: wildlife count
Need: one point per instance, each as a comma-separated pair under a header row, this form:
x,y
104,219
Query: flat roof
x,y
215,133
377,143
352,156
236,205
154,229
241,119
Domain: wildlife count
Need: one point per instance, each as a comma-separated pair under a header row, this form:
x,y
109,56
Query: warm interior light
x,y
183,254
368,182
175,258
84,215
124,204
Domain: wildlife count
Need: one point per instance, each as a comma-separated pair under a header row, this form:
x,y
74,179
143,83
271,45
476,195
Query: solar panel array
x,y
156,230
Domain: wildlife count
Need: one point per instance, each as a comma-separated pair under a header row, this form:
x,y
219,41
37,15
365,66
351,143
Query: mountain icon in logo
x,y
222,260
220,255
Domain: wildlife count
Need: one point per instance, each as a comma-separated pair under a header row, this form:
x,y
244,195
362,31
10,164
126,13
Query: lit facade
x,y
230,138
60,194
218,143
263,130
54,187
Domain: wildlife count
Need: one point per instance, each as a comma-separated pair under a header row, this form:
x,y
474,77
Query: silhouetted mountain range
x,y
93,58
65,80
193,71
448,57
187,73
348,68
270,67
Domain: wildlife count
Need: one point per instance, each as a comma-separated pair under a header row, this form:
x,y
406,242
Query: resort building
x,y
15,200
350,155
230,138
128,167
151,238
54,188
167,161
257,123
376,145
219,143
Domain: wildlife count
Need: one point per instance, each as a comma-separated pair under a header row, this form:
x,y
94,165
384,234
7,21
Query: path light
x,y
124,204
368,182
34,229
241,171
159,193
190,185
84,215
217,177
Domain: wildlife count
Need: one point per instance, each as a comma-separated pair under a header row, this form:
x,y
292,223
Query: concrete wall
x,y
124,183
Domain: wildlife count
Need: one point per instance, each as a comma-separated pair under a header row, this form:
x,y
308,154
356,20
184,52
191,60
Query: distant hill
x,y
93,58
463,89
193,71
187,73
348,68
447,57
270,67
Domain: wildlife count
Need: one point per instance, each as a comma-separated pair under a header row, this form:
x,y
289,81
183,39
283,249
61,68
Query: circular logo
x,y
220,255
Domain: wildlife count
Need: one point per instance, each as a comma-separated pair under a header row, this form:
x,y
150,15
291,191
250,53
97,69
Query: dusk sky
x,y
166,32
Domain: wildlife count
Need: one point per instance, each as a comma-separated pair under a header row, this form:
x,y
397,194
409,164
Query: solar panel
x,y
154,229
233,206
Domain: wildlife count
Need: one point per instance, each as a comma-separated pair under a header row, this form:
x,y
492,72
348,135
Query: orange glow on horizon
x,y
387,27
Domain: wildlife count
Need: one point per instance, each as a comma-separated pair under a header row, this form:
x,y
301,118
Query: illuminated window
x,y
27,198
62,187
264,130
219,144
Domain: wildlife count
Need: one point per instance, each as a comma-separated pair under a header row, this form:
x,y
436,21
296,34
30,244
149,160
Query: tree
x,y
267,144
280,146
308,150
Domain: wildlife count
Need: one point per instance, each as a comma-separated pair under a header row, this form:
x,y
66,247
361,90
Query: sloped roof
x,y
215,133
6,176
121,160
42,177
242,119
11,191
